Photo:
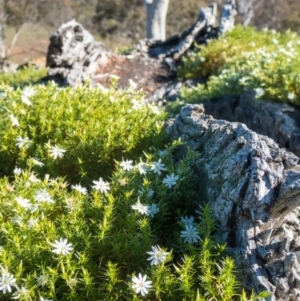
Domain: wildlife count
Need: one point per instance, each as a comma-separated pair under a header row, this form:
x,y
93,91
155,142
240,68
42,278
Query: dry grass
x,y
32,43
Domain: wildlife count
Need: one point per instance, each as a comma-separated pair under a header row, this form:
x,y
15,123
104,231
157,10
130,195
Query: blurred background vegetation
x,y
117,23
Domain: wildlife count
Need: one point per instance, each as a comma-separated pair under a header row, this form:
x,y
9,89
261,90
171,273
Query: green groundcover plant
x,y
243,59
23,77
95,206
76,134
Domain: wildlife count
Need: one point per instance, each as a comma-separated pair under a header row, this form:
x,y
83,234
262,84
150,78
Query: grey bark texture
x,y
74,58
176,46
156,11
227,16
73,55
201,31
253,188
278,121
246,9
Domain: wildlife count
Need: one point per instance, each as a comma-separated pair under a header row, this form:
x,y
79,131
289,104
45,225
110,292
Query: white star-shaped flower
x,y
14,120
101,185
26,94
56,152
62,247
42,280
7,281
126,165
136,105
3,95
188,221
155,109
141,208
152,210
22,142
22,293
140,285
37,162
26,100
79,188
33,179
158,167
42,196
32,222
190,234
170,180
25,203
157,255
17,171
142,167
72,282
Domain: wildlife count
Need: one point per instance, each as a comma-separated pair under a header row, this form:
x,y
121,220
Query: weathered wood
x,y
246,10
176,46
201,31
74,58
253,187
156,11
278,121
227,16
74,55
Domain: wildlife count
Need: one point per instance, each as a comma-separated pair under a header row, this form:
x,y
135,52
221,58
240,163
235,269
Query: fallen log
x,y
253,188
74,57
176,46
200,32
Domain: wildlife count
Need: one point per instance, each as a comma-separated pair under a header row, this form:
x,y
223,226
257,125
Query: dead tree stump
x,y
73,55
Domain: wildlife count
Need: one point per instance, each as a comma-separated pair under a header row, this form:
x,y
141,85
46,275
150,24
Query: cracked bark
x,y
257,202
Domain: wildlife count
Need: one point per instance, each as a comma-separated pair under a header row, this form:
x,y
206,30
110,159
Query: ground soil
x,y
148,74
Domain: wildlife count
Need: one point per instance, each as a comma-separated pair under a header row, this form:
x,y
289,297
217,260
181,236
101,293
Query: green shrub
x,y
242,59
94,206
93,127
23,77
108,230
72,245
